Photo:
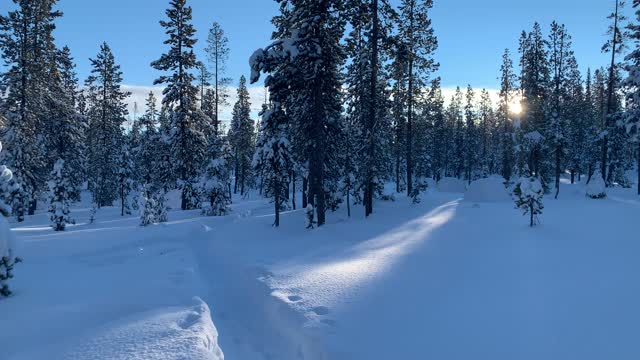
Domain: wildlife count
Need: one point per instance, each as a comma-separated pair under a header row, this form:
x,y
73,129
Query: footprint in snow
x,y
320,310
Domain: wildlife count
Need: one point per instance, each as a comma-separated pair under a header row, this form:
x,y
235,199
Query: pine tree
x,y
471,148
27,48
125,182
59,197
241,137
303,64
218,54
215,184
188,144
414,28
561,62
7,259
106,113
65,139
632,85
528,194
273,156
534,84
615,46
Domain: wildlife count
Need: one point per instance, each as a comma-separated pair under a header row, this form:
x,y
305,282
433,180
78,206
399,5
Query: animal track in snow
x,y
294,298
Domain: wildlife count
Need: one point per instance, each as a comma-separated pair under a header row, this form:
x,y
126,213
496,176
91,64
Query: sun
x,y
515,108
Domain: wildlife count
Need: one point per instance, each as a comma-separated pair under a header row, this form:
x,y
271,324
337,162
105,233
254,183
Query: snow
x,y
489,189
451,185
442,279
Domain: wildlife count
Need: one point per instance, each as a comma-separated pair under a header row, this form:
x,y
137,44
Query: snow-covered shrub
x,y
147,209
527,195
152,207
161,207
59,198
215,188
596,189
92,213
489,189
309,216
420,185
7,260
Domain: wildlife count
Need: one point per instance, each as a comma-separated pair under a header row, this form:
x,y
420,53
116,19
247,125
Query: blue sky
x,y
472,33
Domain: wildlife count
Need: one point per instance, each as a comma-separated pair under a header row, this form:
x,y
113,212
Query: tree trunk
x,y
305,185
558,161
293,190
276,187
531,213
373,109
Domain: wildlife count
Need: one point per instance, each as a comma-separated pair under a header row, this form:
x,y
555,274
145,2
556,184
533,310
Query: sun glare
x,y
515,108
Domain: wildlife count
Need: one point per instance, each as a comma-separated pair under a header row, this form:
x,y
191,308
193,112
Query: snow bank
x,y
490,189
596,188
451,185
165,334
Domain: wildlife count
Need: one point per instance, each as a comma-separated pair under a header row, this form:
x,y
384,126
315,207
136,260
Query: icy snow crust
x,y
442,279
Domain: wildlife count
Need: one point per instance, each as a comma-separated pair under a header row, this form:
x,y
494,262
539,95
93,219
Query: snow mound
x,y
596,188
489,189
451,185
431,184
166,334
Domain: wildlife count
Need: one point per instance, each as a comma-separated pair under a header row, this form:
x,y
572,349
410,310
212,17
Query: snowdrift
x,y
451,185
165,334
489,189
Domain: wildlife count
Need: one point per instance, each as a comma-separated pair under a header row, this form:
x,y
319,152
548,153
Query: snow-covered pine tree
x,y
506,130
241,137
487,140
528,195
439,137
125,181
59,197
106,113
534,84
148,207
66,128
471,146
415,30
273,156
7,258
632,85
616,46
217,54
188,143
305,58
561,61
149,137
215,184
457,130
28,50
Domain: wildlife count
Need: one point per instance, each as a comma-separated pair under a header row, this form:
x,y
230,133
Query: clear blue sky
x,y
472,33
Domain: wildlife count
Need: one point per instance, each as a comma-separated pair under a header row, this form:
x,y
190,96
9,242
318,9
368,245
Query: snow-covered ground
x,y
444,279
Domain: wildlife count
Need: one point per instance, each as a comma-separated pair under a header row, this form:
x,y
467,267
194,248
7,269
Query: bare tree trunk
x,y
373,109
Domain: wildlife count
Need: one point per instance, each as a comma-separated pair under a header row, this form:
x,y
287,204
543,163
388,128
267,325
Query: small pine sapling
x,y
528,195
